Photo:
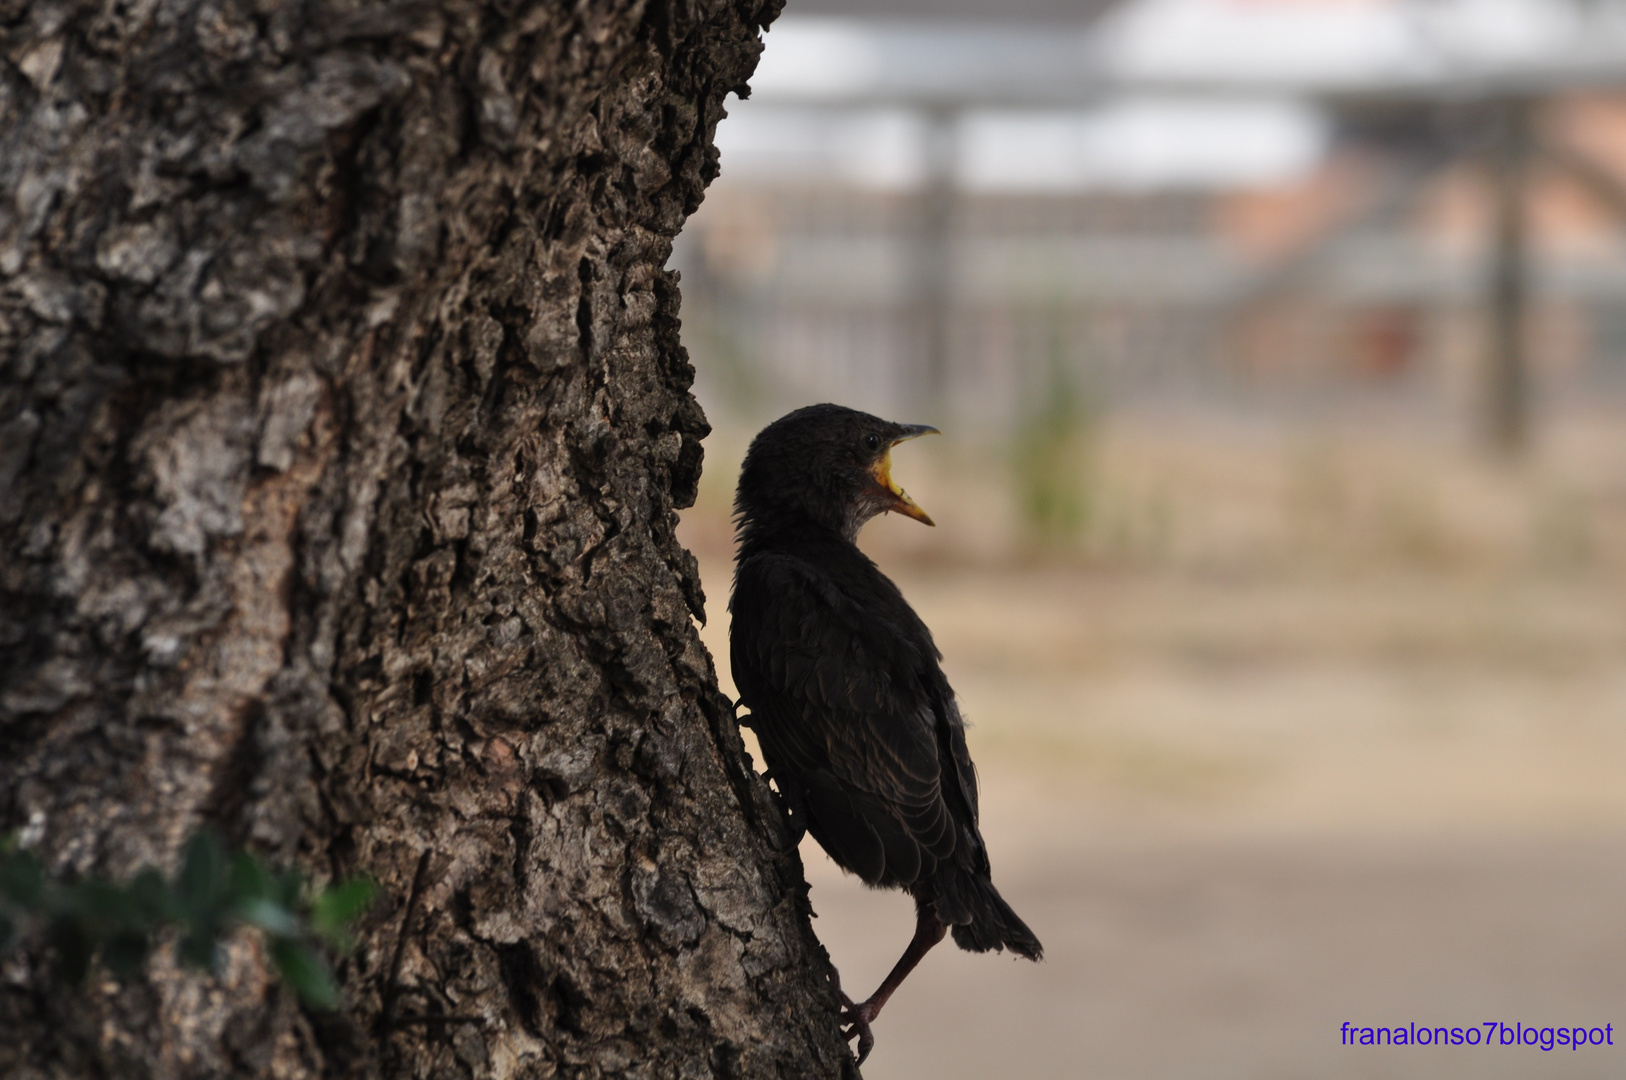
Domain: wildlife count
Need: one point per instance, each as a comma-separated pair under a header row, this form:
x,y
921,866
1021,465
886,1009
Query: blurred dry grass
x,y
1302,724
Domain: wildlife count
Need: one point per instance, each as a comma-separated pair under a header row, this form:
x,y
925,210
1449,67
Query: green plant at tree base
x,y
213,892
1051,450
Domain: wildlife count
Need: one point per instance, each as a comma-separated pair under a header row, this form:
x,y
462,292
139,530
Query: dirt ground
x,y
1245,793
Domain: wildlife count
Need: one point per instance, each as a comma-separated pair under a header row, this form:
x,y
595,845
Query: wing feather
x,y
849,713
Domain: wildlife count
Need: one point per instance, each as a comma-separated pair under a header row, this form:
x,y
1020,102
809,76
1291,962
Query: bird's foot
x,y
855,1021
929,930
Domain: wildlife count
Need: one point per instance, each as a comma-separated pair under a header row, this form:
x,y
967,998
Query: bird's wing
x,y
845,710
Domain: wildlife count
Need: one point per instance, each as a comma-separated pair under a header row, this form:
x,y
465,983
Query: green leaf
x,y
97,900
287,888
22,879
202,881
271,917
249,879
305,971
150,901
337,907
125,952
212,890
199,948
74,948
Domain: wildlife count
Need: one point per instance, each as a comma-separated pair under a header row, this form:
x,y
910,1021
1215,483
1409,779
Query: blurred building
x,y
1416,200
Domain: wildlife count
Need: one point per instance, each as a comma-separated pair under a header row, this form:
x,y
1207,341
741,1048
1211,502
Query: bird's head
x,y
826,463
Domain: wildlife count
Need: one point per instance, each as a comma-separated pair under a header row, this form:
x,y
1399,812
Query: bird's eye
x,y
872,442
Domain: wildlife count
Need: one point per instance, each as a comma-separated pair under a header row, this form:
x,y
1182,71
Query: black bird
x,y
856,720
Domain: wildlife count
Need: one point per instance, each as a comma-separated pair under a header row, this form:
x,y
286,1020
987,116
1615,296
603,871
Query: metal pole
x,y
934,270
1508,394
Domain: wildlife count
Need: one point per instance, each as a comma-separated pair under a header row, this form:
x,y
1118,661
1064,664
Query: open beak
x,y
901,502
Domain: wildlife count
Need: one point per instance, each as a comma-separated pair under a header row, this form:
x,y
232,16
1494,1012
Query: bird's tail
x,y
981,919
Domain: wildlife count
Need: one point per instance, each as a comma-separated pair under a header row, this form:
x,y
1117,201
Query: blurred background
x,y
1279,348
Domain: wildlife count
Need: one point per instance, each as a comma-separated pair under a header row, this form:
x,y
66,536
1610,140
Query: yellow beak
x,y
901,502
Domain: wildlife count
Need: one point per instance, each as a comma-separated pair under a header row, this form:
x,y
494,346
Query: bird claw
x,y
791,810
856,1019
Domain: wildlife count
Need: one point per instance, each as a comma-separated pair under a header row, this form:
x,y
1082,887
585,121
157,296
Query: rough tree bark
x,y
343,422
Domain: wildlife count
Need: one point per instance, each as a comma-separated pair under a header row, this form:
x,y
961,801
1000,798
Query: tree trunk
x,y
343,422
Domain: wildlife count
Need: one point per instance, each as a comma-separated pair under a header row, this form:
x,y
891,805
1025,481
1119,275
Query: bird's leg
x,y
929,930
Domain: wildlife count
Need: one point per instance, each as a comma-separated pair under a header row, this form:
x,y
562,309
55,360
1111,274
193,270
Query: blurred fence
x,y
795,293
1318,201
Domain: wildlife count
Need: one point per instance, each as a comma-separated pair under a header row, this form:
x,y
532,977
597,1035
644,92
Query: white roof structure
x,y
1449,48
1155,94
